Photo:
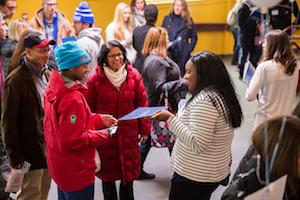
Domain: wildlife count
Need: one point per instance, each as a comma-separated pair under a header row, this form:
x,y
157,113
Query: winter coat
x,y
120,158
162,75
70,136
249,178
248,21
138,38
65,29
181,51
90,40
22,115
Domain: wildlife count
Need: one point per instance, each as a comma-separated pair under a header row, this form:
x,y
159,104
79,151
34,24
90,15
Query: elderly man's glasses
x,y
51,4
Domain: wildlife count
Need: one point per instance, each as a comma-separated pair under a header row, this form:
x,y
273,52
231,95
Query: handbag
x,y
160,134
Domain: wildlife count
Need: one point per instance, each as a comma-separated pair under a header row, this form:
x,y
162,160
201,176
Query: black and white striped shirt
x,y
202,151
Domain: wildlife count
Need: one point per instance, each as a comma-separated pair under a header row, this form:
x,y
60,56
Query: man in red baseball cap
x,y
22,121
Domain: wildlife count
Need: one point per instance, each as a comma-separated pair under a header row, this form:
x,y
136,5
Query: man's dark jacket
x,y
22,120
139,36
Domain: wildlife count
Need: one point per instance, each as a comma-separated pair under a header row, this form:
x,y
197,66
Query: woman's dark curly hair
x,y
105,49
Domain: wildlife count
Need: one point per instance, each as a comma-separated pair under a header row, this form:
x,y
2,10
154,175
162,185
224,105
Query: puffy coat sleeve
x,y
73,121
141,101
97,119
92,93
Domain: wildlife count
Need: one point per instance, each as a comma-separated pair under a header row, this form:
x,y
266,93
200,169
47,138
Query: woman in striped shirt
x,y
204,128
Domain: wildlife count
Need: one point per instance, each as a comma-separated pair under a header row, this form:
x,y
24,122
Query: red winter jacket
x,y
70,136
120,156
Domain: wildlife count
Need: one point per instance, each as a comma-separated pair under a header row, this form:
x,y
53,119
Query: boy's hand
x,y
108,120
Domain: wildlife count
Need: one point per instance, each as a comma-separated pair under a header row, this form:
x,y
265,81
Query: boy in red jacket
x,y
70,134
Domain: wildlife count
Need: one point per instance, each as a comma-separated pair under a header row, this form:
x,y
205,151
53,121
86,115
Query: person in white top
x,y
274,82
201,156
121,29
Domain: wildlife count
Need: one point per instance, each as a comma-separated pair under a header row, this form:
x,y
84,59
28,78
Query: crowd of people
x,y
64,87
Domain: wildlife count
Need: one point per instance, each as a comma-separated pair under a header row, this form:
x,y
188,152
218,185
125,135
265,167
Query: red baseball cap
x,y
37,40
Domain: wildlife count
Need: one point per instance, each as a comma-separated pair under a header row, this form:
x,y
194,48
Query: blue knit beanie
x,y
69,55
83,13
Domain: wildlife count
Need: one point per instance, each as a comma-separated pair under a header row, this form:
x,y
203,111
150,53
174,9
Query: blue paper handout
x,y
249,71
142,112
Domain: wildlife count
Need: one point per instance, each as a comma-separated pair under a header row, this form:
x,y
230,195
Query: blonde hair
x,y
156,42
16,28
119,22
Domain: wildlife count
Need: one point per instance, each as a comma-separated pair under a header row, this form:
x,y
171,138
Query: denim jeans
x,y
84,194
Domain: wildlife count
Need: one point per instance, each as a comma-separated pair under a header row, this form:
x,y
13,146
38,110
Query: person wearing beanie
x,y
70,126
83,17
89,37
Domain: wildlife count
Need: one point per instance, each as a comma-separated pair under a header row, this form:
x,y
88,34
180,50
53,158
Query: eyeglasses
x,y
51,4
113,56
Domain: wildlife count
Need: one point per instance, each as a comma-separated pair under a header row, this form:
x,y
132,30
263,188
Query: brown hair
x,y
118,20
278,48
288,149
185,14
156,42
132,5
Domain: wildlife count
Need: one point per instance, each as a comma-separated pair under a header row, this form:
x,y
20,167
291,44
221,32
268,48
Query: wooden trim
x,y
212,27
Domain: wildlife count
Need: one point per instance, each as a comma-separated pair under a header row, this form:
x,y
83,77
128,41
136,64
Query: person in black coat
x,y
281,15
140,32
249,21
179,24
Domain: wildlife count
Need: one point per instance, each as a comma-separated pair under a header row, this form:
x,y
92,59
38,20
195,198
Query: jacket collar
x,y
57,89
100,71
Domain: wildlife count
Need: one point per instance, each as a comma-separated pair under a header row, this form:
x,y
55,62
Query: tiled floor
x,y
158,161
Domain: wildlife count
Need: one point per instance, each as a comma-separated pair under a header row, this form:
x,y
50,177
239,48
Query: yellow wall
x,y
202,11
